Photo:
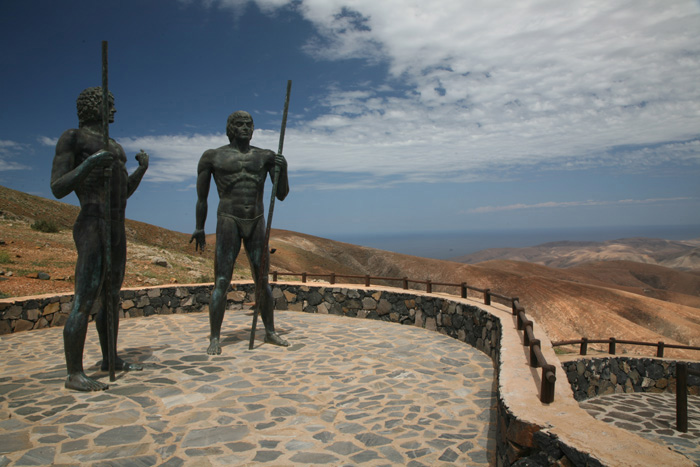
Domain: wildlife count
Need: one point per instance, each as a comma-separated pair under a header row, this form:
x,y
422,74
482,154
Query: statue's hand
x,y
200,239
100,159
142,157
280,162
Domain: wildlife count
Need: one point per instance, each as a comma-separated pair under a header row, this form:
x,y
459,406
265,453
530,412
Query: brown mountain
x,y
621,298
682,255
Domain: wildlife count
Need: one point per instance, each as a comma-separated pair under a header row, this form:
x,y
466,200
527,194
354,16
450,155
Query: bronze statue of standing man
x,y
79,166
239,171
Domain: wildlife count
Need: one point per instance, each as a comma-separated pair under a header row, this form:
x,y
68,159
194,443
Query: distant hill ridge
x,y
682,255
600,294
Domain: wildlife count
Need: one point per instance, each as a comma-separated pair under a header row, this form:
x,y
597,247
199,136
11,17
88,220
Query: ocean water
x,y
447,245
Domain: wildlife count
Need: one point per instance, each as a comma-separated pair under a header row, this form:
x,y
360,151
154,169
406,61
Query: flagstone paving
x,y
346,392
652,416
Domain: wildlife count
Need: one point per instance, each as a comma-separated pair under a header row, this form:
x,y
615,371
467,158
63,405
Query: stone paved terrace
x,y
349,391
346,392
652,416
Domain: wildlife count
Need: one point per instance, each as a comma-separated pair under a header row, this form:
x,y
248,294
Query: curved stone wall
x,y
529,432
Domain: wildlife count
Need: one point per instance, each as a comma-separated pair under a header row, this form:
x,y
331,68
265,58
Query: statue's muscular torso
x,y
75,146
239,177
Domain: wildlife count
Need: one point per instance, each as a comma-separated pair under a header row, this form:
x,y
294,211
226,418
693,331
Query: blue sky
x,y
405,116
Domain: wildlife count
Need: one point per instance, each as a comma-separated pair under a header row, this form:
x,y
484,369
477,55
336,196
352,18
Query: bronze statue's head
x,y
89,105
237,122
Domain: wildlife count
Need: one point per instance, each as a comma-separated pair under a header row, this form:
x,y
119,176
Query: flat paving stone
x,y
652,416
347,391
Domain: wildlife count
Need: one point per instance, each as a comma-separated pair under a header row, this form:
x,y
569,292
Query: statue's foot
x,y
121,365
81,382
275,339
214,346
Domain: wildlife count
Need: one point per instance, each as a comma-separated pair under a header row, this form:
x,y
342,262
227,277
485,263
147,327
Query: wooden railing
x,y
405,281
612,345
537,359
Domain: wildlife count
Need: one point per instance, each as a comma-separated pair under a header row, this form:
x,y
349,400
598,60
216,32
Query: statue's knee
x,y
222,283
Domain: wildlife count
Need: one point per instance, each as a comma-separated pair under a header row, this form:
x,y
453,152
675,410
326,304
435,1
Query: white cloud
x,y
519,82
569,204
10,150
483,86
46,141
173,158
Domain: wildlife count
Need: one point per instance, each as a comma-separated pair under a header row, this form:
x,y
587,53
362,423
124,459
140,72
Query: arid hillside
x,y
625,299
682,255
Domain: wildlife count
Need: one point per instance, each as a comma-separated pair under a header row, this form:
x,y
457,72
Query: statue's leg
x,y
89,274
118,267
228,244
254,246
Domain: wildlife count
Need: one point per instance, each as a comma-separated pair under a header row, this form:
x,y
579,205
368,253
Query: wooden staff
x,y
266,245
107,284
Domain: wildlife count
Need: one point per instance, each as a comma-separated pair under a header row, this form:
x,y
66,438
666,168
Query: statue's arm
x,y
137,175
65,175
283,180
204,173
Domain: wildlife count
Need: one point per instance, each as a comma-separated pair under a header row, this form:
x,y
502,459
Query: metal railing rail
x,y
612,345
537,359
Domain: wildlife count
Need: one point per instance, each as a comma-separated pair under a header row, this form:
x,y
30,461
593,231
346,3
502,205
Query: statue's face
x,y
112,110
243,128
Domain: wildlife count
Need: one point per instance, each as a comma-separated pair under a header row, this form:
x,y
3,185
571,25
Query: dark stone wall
x,y
611,375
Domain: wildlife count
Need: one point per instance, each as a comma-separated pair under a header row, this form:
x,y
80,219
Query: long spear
x,y
266,245
107,284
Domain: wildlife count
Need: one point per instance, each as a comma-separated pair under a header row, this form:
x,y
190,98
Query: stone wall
x,y
590,377
464,322
519,441
45,311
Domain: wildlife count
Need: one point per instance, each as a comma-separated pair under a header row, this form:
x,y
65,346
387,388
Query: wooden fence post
x,y
660,350
611,347
682,397
487,296
549,377
584,346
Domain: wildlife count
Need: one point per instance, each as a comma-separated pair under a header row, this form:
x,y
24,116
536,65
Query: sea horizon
x,y
453,244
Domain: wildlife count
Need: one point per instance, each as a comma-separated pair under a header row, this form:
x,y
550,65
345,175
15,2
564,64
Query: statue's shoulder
x,y
209,158
71,133
255,148
263,152
211,153
68,139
